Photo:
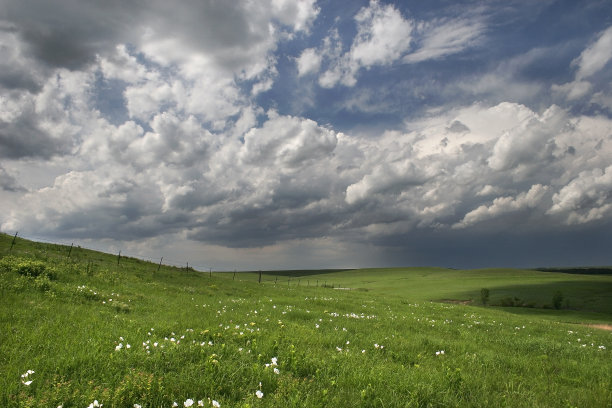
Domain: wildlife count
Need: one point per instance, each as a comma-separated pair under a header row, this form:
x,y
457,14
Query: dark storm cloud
x,y
23,138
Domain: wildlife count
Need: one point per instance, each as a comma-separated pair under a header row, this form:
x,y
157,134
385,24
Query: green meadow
x,y
80,328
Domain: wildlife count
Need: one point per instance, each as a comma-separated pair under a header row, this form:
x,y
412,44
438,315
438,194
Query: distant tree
x,y
557,299
484,295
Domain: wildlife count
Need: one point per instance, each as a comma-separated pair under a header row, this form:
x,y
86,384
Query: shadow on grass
x,y
582,300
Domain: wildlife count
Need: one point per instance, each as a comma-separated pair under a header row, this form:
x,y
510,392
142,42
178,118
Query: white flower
x,y
259,394
119,347
274,361
27,382
276,370
439,352
174,404
215,404
128,346
137,406
200,403
188,402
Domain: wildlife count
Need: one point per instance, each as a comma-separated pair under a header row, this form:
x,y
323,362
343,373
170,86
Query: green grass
x,y
193,336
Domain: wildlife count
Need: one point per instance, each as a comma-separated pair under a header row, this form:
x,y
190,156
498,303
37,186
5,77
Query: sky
x,y
291,134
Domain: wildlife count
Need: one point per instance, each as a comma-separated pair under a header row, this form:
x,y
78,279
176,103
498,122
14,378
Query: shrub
x,y
484,295
31,268
8,263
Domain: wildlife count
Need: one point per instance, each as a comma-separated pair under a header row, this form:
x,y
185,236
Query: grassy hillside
x,y
85,327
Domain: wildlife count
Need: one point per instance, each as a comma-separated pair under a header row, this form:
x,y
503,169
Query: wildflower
x,y
119,347
174,404
274,361
259,394
276,370
200,403
94,404
188,402
137,406
438,353
27,382
215,404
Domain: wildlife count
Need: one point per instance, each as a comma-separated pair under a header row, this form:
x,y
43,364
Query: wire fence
x,y
289,278
163,260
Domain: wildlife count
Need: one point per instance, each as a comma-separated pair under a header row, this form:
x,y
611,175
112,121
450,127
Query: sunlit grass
x,y
196,340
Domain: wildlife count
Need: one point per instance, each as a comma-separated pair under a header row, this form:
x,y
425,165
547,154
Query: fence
x,y
288,278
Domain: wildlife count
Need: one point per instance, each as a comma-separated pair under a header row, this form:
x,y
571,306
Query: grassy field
x,y
78,326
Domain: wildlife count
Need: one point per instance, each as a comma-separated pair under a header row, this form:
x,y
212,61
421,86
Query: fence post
x,y
118,257
70,250
259,277
13,243
210,273
234,277
160,262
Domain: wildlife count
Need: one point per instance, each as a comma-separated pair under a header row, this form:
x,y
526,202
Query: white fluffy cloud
x,y
308,62
503,205
586,198
383,35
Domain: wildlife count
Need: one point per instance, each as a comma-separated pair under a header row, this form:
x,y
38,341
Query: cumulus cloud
x,y
586,198
383,35
503,205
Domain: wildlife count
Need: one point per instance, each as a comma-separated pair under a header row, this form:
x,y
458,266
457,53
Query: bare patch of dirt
x,y
601,326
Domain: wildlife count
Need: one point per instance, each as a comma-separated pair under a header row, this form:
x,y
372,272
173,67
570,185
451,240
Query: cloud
x,y
586,198
165,121
594,57
504,205
47,123
385,37
589,64
439,39
299,14
8,182
308,62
